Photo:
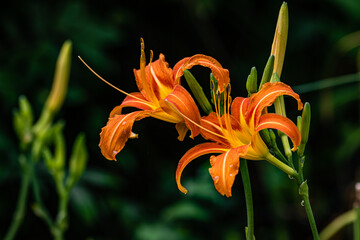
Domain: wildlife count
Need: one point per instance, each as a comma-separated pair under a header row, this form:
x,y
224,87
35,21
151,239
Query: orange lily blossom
x,y
159,85
237,134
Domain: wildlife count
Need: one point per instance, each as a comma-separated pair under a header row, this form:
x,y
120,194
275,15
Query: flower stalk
x,y
248,199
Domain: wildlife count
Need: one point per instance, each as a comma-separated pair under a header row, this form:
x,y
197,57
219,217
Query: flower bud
x,y
198,92
305,127
251,83
23,120
61,78
78,161
268,70
298,123
280,38
55,162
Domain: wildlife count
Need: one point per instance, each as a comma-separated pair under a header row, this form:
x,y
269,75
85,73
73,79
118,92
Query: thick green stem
x,y
311,218
285,168
304,193
62,218
21,203
248,198
61,223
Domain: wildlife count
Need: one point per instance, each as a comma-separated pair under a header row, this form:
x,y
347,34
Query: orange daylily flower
x,y
236,134
159,86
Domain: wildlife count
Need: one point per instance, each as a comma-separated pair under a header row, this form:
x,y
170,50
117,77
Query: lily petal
x,y
138,101
182,130
184,103
225,167
213,130
266,97
221,74
276,121
159,76
195,152
117,131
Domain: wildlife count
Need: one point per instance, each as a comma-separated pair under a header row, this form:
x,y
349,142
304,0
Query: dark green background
x,y
136,197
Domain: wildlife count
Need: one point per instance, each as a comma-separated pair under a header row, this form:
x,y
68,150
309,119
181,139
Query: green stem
x,y
61,223
357,223
304,193
61,220
248,198
337,224
285,168
311,218
43,213
21,203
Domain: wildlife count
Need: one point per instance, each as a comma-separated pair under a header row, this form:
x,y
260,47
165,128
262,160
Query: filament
x,y
111,85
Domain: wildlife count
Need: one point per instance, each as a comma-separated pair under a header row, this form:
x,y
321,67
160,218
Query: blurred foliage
x,y
136,197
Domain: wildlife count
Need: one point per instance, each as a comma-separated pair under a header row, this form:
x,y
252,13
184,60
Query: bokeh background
x,y
136,197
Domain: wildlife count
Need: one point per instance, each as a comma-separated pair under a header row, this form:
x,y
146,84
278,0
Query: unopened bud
x,y
268,71
280,38
305,127
61,78
198,92
78,161
23,120
251,83
265,135
55,162
298,122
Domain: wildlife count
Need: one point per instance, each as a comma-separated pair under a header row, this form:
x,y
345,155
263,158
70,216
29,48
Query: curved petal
x,y
195,152
211,129
182,130
159,77
138,101
266,97
276,121
117,131
186,107
239,107
225,167
221,74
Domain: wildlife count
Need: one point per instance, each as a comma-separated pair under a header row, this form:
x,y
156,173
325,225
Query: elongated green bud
x,y
265,135
298,123
78,161
59,88
55,162
280,38
251,83
268,71
23,120
61,78
198,92
305,127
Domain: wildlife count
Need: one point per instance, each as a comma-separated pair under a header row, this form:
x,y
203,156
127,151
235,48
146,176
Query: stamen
x,y
111,85
151,55
196,124
146,86
212,87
